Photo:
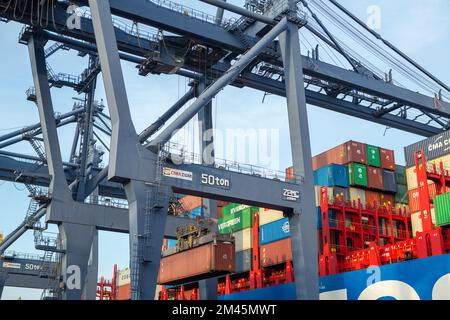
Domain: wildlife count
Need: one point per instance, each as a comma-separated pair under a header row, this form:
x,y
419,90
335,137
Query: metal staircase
x,y
53,48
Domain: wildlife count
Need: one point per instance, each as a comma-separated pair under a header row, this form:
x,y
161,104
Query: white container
x,y
123,277
355,194
267,216
416,222
243,240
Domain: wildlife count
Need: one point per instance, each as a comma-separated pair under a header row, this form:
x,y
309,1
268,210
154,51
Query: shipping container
x,y
332,175
389,183
433,147
387,159
274,231
400,174
416,221
319,217
123,292
268,215
414,197
206,261
375,178
345,153
276,253
243,240
189,203
243,261
197,212
357,174
237,221
123,277
373,156
171,243
333,194
373,197
442,209
233,208
355,194
402,194
411,179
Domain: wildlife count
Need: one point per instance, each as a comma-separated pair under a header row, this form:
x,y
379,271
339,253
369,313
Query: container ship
x,y
383,232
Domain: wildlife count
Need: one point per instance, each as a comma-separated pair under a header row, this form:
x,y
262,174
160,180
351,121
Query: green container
x,y
401,195
400,174
357,174
442,209
373,156
233,208
234,222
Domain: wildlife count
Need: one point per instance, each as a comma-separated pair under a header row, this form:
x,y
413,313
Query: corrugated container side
x,y
387,159
416,221
242,240
333,193
208,260
400,174
319,217
123,292
197,212
433,147
332,175
414,197
171,243
355,194
123,277
356,152
411,178
372,196
442,209
389,183
243,261
274,231
233,208
357,174
345,153
268,215
276,253
373,156
189,203
375,178
402,194
235,222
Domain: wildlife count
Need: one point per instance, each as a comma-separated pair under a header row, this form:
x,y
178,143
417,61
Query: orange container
x,y
345,153
387,159
207,261
123,292
189,203
276,252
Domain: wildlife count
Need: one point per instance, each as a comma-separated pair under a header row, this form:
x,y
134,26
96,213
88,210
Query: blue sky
x,y
418,27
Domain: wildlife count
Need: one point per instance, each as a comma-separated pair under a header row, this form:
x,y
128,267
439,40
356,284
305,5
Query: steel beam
x,y
302,222
155,126
208,288
218,85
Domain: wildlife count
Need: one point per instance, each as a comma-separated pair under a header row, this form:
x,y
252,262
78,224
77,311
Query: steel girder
x,y
199,30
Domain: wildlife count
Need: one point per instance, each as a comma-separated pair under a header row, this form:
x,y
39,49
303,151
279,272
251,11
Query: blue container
x,y
332,175
274,231
197,212
319,218
171,243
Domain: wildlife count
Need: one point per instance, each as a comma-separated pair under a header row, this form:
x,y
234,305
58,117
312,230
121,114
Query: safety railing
x,y
24,256
177,154
107,202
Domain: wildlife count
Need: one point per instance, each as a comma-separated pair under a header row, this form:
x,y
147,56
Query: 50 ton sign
x,y
210,180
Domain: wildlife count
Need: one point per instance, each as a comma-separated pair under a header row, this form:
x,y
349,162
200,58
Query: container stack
x,y
192,206
237,220
436,151
356,172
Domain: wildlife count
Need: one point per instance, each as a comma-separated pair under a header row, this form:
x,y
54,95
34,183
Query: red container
x,y
414,197
385,199
375,178
387,159
123,292
345,153
276,252
207,261
372,196
189,203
